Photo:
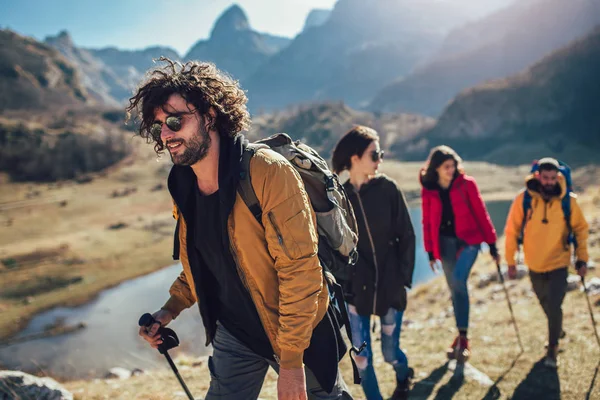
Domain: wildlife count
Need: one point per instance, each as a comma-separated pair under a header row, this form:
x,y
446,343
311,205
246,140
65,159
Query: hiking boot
x,y
463,350
451,351
551,360
403,388
460,350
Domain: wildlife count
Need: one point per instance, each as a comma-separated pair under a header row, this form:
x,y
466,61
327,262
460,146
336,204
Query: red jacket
x,y
471,219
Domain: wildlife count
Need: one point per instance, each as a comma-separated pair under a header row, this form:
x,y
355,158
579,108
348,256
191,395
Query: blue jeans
x,y
457,262
391,323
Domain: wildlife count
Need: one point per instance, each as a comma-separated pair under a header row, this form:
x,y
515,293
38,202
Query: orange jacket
x,y
544,244
276,260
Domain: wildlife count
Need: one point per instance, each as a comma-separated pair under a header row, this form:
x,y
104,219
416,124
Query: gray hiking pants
x,y
237,373
550,289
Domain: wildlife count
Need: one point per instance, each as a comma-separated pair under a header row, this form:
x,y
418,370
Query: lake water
x,y
110,338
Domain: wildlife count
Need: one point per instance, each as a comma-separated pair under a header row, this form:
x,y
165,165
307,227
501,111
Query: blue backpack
x,y
565,170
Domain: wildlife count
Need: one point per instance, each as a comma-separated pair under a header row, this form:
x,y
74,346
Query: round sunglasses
x,y
377,155
173,122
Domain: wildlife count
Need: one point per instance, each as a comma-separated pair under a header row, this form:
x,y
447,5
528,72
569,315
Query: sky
x,y
136,24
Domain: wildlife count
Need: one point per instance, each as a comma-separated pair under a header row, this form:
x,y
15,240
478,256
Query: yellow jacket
x,y
277,260
544,244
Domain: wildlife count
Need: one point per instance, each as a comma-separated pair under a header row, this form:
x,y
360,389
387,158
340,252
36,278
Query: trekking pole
x,y
512,314
591,311
169,340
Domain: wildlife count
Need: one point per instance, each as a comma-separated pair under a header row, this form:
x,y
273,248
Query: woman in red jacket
x,y
455,223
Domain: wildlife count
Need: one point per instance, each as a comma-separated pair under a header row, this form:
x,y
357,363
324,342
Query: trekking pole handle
x,y
168,336
147,320
170,340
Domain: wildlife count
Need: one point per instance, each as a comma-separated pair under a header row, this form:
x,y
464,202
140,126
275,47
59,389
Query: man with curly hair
x,y
259,286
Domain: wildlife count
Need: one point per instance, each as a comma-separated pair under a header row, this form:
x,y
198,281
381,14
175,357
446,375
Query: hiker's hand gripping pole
x,y
169,340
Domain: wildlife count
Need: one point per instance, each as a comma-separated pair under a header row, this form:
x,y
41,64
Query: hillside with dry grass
x,y
67,146
80,236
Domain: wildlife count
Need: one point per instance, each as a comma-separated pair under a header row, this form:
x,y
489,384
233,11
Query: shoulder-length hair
x,y
354,142
437,156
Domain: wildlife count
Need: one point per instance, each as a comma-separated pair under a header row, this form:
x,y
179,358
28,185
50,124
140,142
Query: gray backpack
x,y
336,223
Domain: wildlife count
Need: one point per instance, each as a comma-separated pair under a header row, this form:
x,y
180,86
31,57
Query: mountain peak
x,y
316,17
233,19
63,39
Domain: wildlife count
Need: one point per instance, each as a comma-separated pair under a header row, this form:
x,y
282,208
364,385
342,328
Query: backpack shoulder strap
x,y
566,207
176,242
245,188
565,170
526,208
177,216
338,294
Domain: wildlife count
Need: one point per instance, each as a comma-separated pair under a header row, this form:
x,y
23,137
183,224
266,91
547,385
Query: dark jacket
x,y
386,247
281,271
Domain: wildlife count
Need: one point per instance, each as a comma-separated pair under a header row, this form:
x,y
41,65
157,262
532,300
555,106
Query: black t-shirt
x,y
229,300
447,226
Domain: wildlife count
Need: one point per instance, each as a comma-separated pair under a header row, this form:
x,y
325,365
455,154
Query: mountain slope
x,y
321,125
109,74
494,47
550,108
316,17
360,48
99,80
129,66
35,76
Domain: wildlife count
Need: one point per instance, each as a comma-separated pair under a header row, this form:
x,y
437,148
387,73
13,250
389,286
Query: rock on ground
x,y
19,385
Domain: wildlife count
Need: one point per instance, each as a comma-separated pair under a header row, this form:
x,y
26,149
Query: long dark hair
x,y
354,142
437,156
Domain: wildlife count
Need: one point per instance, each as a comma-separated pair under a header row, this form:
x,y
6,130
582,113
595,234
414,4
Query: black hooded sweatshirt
x,y
386,247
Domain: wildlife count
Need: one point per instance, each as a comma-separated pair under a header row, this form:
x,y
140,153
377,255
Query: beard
x,y
195,149
551,190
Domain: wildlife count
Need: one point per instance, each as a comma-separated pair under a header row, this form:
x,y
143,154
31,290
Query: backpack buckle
x,y
330,184
353,257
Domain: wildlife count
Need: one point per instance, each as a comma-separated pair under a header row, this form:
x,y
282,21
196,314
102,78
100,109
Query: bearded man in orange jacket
x,y
544,232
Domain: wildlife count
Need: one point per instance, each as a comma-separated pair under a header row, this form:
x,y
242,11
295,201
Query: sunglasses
x,y
173,122
377,155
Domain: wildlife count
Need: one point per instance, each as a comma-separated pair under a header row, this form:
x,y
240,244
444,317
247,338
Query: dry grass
x,y
428,329
55,245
